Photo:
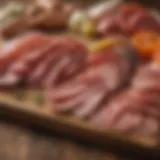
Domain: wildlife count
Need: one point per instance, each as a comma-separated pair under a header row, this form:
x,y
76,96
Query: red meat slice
x,y
112,118
144,21
18,61
127,123
95,99
125,14
26,63
20,46
71,59
108,25
147,77
107,73
149,126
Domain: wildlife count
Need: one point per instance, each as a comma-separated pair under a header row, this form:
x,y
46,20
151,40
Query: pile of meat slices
x,y
127,19
108,89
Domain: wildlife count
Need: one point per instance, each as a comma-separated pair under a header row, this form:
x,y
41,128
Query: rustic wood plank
x,y
21,143
27,111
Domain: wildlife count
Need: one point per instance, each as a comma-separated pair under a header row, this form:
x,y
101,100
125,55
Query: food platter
x,y
30,106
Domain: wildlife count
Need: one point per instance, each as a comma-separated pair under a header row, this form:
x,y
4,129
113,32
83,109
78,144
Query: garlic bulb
x,y
76,20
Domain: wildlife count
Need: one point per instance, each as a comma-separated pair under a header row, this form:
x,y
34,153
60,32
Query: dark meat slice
x,y
129,8
108,25
144,21
125,14
71,59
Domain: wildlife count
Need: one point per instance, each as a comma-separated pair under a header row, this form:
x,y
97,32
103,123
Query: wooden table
x,y
30,143
25,143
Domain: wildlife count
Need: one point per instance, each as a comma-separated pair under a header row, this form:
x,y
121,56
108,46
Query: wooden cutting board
x,y
29,106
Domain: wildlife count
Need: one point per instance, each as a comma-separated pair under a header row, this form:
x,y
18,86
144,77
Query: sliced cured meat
x,y
149,126
71,103
145,102
18,61
26,64
98,11
125,14
128,122
9,80
106,73
144,21
90,104
108,25
19,47
60,93
82,90
128,8
110,112
71,59
41,70
147,77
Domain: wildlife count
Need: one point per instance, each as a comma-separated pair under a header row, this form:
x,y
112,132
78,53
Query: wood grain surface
x,y
22,142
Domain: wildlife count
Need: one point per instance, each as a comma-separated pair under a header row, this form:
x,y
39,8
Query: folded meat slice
x,y
108,25
79,93
149,126
41,69
19,46
71,58
125,13
144,21
123,114
147,77
108,72
136,109
19,59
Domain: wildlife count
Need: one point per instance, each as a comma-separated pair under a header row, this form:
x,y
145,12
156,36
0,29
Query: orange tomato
x,y
156,56
156,53
146,42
